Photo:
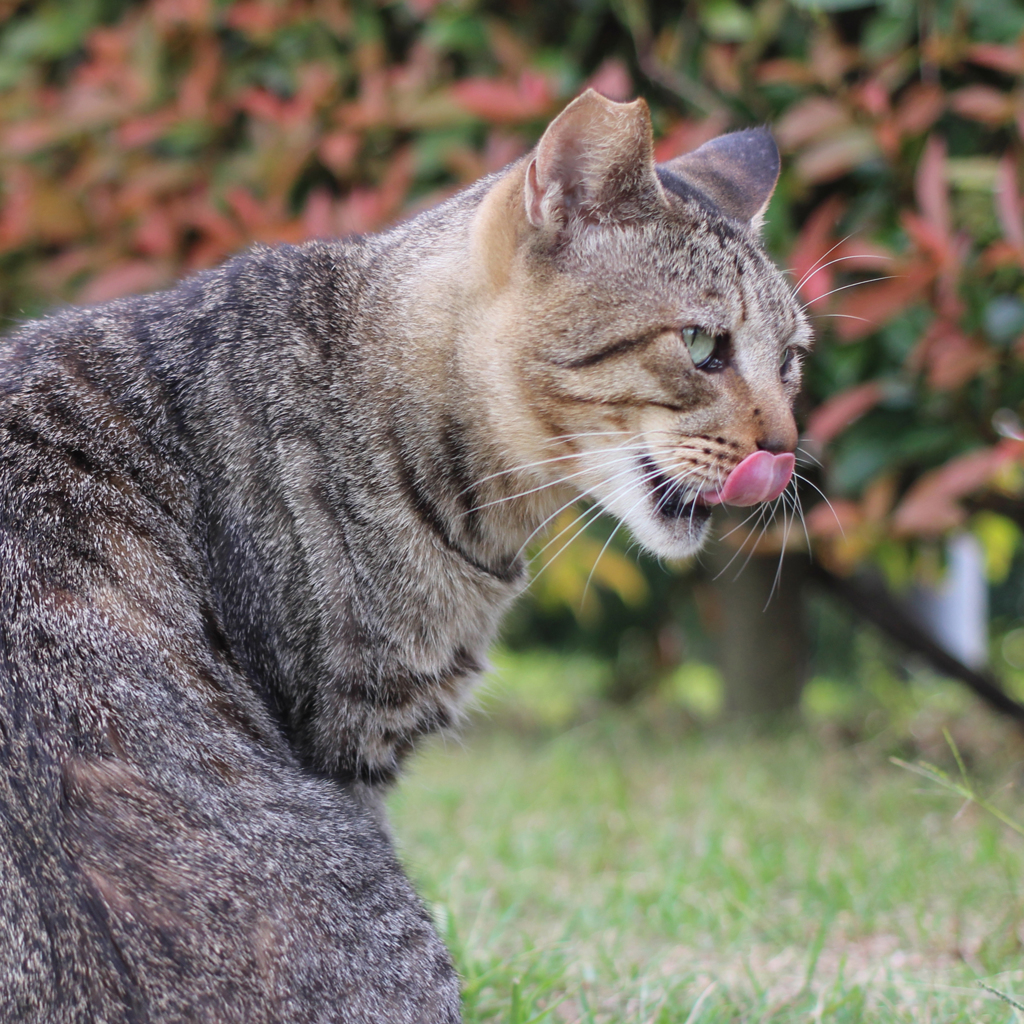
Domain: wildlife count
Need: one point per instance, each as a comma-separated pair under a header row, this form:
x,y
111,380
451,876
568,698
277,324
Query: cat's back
x,y
163,856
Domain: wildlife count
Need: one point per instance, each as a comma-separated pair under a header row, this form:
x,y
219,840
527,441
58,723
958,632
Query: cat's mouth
x,y
671,499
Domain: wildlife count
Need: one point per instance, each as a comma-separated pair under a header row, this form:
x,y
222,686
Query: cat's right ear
x,y
737,172
594,165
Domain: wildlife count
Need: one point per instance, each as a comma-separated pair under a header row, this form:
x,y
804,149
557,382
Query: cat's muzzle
x,y
671,500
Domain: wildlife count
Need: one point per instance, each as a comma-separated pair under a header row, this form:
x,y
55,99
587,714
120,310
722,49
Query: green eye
x,y
701,346
785,360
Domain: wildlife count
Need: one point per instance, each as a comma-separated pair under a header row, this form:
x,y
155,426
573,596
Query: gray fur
x,y
256,534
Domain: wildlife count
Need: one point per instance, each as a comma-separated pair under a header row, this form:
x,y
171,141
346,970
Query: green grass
x,y
615,872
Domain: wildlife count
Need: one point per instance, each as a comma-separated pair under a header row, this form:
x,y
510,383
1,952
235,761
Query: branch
x,y
873,602
1003,504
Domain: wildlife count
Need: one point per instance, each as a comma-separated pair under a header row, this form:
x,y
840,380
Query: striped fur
x,y
257,532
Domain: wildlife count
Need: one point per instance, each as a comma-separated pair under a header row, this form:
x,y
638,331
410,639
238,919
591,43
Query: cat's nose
x,y
775,445
778,437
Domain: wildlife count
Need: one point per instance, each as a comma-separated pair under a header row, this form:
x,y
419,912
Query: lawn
x,y
627,869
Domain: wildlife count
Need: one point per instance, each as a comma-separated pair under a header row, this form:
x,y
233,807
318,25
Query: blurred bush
x,y
142,139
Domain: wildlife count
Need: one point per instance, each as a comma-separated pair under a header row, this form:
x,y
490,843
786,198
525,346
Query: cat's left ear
x,y
737,172
594,164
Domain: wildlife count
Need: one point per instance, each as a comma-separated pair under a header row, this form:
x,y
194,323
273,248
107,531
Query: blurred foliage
x,y
143,139
897,708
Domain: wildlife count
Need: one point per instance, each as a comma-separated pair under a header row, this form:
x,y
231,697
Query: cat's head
x,y
639,343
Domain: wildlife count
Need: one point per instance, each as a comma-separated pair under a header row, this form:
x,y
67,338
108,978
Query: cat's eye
x,y
785,361
703,348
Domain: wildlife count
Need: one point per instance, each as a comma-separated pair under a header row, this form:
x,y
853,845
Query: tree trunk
x,y
762,643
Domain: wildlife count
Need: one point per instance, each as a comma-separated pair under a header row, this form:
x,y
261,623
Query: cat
x,y
257,532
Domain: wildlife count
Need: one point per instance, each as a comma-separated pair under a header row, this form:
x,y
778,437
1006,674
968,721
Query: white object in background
x,y
956,611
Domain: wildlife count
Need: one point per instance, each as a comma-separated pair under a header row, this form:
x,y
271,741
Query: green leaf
x,y
832,5
727,22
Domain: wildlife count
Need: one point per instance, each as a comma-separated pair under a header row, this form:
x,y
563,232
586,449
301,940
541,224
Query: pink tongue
x,y
759,477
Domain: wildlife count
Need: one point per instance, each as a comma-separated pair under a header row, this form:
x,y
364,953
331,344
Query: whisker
x,y
814,266
760,511
798,507
623,456
561,438
831,263
644,478
600,555
777,504
540,462
578,497
807,455
675,487
587,433
639,445
618,526
533,533
787,525
843,288
594,513
843,316
600,509
719,476
772,511
810,483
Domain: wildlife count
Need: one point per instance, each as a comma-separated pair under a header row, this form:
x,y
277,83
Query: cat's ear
x,y
737,172
595,163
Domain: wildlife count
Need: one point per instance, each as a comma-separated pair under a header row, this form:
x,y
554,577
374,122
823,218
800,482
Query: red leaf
x,y
155,234
196,88
930,240
835,415
168,14
251,215
339,150
1008,59
1008,204
367,209
318,216
792,72
930,185
873,96
809,120
685,136
1001,254
612,79
813,247
25,137
263,105
505,102
866,308
125,279
930,506
836,156
141,131
949,356
833,518
919,108
983,103
16,225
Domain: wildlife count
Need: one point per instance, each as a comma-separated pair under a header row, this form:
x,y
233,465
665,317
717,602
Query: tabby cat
x,y
257,532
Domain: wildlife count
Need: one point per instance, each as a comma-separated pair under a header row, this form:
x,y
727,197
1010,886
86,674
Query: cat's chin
x,y
676,533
